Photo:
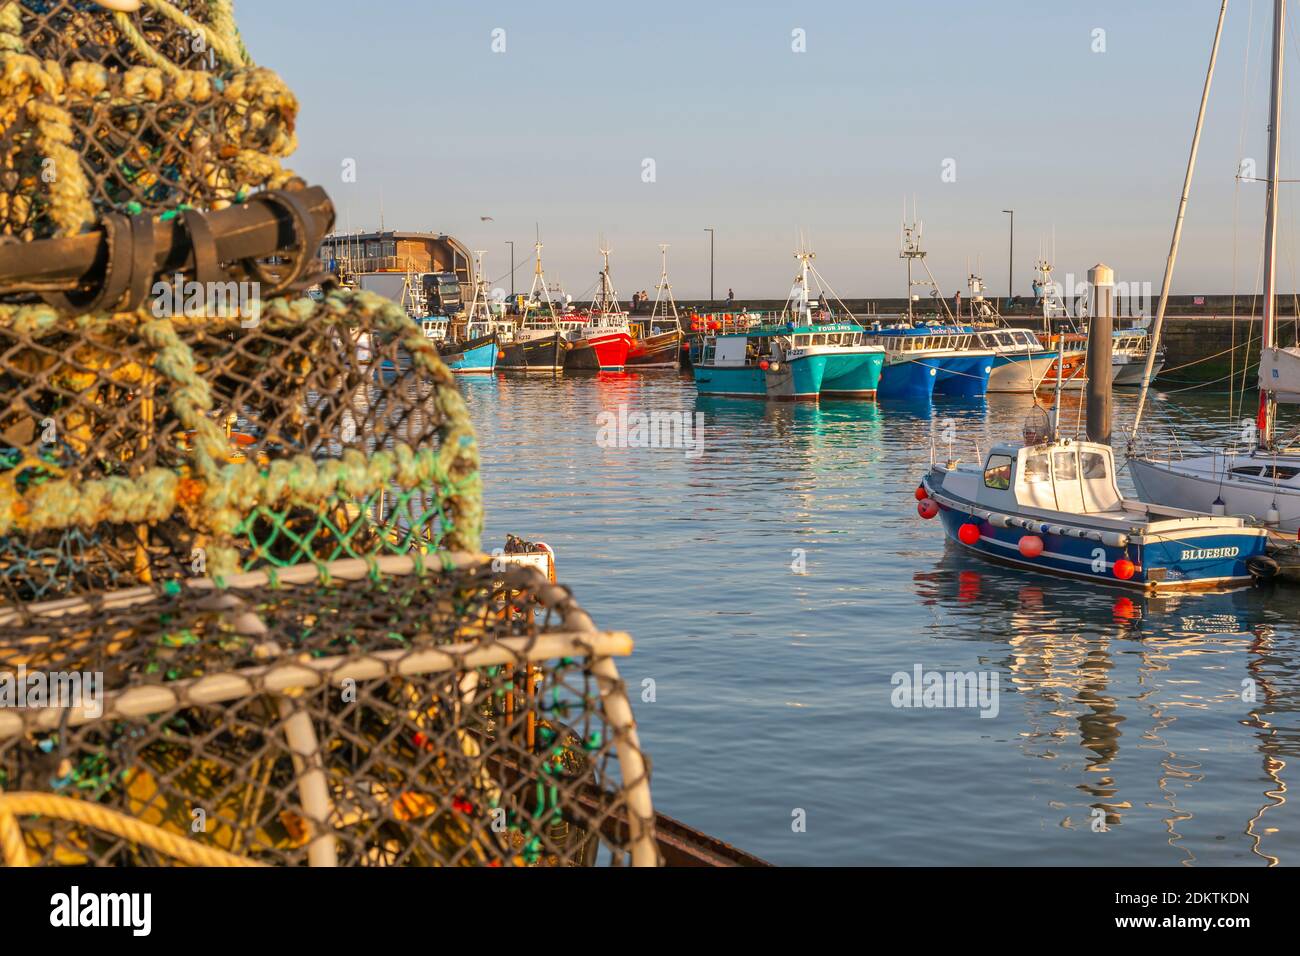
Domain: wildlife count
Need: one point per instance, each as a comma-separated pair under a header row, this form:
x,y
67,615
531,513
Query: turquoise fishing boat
x,y
476,351
789,361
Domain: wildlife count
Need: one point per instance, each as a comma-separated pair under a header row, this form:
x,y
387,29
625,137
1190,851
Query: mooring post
x,y
1102,282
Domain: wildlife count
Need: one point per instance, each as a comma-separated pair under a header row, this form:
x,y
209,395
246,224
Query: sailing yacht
x,y
1263,480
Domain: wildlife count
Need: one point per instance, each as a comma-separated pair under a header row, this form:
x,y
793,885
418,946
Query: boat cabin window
x,y
1065,464
800,341
997,474
1092,464
1037,468
1248,472
1285,474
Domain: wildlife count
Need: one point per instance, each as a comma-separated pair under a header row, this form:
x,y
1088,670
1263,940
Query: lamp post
x,y
709,230
512,267
1011,254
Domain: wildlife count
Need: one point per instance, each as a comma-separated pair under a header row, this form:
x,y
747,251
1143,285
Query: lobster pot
x,y
387,716
144,448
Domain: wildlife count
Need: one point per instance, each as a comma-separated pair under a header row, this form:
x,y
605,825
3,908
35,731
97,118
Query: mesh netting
x,y
145,447
476,718
131,111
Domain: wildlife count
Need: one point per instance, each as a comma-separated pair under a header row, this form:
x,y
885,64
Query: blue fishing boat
x,y
921,360
1055,507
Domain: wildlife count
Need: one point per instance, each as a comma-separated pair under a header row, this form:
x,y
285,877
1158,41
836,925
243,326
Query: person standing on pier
x,y
731,298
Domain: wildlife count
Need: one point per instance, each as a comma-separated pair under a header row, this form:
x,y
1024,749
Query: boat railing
x,y
724,323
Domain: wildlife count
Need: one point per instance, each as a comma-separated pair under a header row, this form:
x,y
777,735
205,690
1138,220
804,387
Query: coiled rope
x,y
14,849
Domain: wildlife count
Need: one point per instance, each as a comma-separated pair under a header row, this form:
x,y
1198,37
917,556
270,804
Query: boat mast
x,y
664,286
911,249
803,302
539,279
1154,343
1267,402
607,298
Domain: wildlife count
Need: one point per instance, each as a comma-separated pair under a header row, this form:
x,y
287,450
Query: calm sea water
x,y
1121,734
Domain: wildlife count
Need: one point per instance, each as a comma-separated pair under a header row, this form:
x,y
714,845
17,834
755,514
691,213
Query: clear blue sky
x,y
759,141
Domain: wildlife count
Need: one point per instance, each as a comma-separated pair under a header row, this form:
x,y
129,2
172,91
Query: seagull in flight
x,y
486,219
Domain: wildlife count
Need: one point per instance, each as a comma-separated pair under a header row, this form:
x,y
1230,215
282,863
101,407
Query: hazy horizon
x,y
1009,100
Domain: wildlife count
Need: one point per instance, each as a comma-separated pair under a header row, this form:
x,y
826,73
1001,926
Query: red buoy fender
x,y
927,508
1031,545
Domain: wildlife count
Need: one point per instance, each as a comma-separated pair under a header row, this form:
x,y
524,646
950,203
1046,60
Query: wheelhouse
x,y
1074,477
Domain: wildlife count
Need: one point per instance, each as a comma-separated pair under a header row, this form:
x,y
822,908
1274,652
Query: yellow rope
x,y
101,818
227,47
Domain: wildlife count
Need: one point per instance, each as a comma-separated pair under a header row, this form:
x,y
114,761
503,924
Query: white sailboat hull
x,y
1195,483
1279,373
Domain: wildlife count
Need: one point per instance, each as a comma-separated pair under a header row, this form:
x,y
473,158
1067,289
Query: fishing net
x,y
255,513
474,719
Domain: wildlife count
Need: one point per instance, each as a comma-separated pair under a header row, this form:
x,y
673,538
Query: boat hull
x,y
598,352
1190,560
856,375
1197,483
543,354
742,381
910,380
796,380
1130,373
656,351
1020,373
475,355
965,376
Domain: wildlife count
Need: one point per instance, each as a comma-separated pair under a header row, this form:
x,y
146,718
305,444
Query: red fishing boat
x,y
603,338
603,342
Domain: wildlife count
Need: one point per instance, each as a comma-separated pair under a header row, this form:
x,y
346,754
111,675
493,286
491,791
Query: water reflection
x,y
1098,674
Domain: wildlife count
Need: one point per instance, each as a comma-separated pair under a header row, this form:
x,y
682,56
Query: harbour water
x,y
778,579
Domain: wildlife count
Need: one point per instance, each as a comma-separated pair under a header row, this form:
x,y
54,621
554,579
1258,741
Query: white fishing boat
x,y
1261,480
1020,361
